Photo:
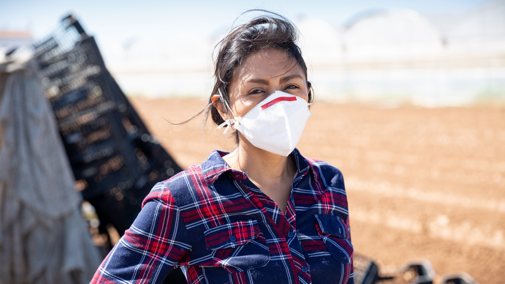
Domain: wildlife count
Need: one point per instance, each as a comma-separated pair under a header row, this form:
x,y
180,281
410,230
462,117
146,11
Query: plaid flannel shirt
x,y
215,224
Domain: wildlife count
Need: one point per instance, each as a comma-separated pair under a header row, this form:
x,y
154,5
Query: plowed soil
x,y
421,183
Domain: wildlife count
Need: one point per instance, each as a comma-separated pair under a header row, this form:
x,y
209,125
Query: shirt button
x,y
291,234
305,269
233,238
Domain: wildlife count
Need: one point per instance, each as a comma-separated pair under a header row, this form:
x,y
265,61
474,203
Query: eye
x,y
291,87
255,91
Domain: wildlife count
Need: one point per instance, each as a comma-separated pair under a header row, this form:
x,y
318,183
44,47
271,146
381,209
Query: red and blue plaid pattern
x,y
220,228
231,235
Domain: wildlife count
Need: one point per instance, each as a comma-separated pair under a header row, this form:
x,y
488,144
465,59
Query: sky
x,y
123,21
172,37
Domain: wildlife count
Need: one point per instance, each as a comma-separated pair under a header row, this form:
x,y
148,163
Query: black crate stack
x,y
114,158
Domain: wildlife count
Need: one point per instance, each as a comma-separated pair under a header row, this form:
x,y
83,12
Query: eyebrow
x,y
290,77
259,81
266,82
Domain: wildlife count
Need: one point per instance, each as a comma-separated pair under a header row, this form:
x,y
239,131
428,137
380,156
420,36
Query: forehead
x,y
267,64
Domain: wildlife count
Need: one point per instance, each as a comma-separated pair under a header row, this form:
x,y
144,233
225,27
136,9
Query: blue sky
x,y
120,21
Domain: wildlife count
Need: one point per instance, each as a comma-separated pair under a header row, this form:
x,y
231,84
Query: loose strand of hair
x,y
191,118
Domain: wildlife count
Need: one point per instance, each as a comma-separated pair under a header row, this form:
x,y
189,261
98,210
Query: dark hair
x,y
269,31
262,33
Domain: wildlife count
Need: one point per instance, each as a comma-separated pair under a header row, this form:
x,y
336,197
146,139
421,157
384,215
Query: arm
x,y
154,244
351,275
336,182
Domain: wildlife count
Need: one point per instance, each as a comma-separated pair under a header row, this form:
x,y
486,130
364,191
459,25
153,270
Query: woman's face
x,y
260,75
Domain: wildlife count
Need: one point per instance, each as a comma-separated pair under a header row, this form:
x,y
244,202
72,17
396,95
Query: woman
x,y
260,214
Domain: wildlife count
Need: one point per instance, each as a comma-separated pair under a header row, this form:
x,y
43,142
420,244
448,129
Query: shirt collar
x,y
215,166
302,165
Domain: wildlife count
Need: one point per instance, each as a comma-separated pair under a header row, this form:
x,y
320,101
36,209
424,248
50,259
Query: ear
x,y
218,104
309,89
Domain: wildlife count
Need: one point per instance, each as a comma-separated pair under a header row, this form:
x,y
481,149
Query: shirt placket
x,y
285,226
286,222
295,244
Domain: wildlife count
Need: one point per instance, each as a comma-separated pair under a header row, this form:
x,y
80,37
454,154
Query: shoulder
x,y
328,174
329,182
180,185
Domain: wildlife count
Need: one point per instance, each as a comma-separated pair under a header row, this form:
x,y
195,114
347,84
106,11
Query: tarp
x,y
43,236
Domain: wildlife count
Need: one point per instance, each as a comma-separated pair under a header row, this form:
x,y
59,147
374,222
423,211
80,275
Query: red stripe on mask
x,y
279,99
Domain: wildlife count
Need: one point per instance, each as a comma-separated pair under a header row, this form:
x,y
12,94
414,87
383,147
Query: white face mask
x,y
275,124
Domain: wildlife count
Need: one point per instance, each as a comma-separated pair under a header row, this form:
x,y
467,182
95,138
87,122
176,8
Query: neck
x,y
262,167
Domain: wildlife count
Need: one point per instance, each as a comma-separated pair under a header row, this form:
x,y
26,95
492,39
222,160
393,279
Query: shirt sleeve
x,y
351,274
155,243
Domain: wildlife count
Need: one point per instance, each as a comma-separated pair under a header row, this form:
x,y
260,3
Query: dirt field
x,y
421,183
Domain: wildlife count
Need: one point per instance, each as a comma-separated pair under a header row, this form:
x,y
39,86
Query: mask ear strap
x,y
227,123
230,121
225,103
